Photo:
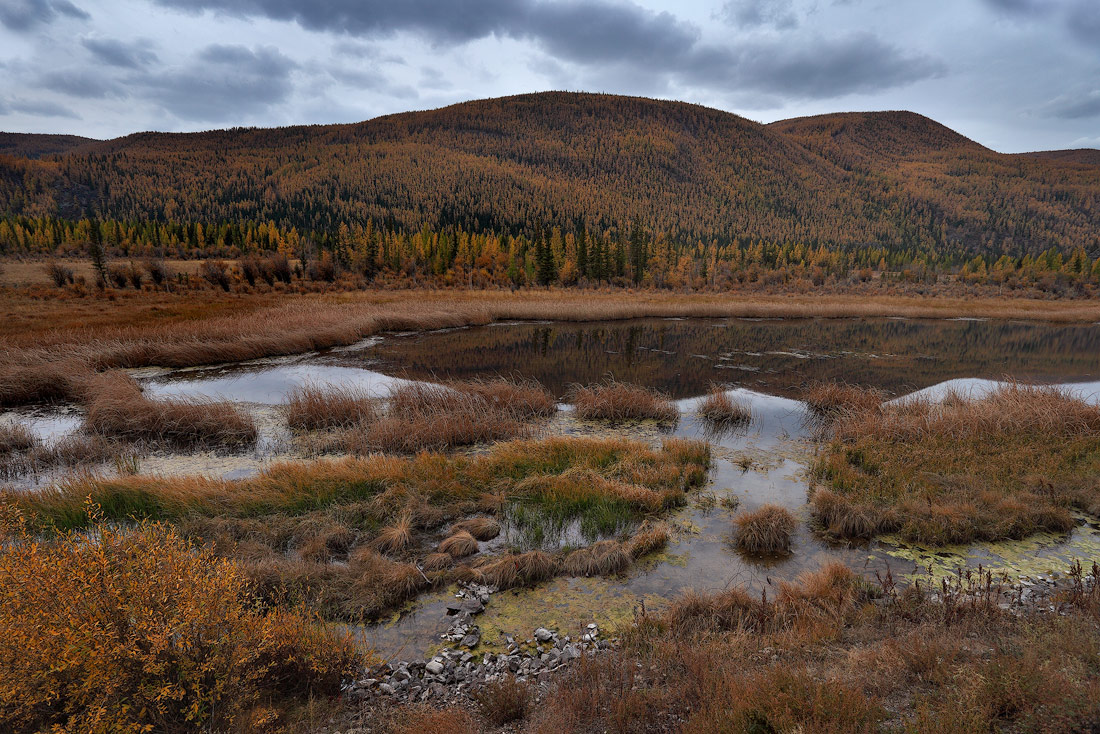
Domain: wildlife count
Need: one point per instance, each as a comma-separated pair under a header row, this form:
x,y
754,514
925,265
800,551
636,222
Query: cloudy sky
x,y
1013,74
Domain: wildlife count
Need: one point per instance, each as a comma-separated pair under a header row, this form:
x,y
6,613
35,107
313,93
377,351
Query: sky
x,y
1015,75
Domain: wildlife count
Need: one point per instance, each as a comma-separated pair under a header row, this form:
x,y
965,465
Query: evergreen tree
x,y
637,251
546,273
582,250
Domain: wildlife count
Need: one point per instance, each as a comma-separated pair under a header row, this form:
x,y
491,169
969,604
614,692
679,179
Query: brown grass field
x,y
1002,466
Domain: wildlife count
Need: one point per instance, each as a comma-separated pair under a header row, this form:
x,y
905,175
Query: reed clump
x,y
1006,465
720,410
766,530
482,528
523,398
459,545
649,539
619,401
603,558
118,409
830,400
314,407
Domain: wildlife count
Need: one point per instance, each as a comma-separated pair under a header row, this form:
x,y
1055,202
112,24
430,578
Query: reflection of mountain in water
x,y
684,357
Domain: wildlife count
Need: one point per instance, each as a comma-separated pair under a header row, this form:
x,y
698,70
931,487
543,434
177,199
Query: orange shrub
x,y
134,631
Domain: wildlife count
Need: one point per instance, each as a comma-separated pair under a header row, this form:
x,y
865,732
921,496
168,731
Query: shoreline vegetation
x,y
53,359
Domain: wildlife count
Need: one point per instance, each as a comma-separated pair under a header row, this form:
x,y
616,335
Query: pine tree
x,y
637,251
98,255
582,250
544,262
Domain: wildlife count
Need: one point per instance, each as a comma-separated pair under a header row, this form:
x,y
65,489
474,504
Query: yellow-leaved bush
x,y
136,630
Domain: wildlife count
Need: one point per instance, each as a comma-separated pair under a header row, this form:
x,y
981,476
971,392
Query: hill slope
x,y
519,163
29,145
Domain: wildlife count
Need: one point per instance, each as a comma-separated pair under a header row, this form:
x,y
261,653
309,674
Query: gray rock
x,y
543,635
435,667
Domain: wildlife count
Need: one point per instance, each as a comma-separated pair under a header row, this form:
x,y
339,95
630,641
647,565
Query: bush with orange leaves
x,y
136,630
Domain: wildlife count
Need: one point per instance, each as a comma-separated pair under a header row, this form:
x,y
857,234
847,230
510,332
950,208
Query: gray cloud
x,y
1080,18
37,108
86,83
23,15
1074,106
756,13
112,52
223,83
617,33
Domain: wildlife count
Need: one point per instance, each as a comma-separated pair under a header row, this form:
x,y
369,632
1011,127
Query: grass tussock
x,y
459,545
437,562
603,558
830,400
140,631
504,701
318,407
520,569
620,401
482,528
429,417
15,438
766,530
395,538
523,398
720,410
118,409
648,539
1006,465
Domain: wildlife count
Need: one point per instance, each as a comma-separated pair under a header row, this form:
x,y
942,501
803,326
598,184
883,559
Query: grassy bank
x,y
359,535
1002,466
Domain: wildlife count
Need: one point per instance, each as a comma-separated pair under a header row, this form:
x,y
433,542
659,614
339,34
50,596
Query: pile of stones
x,y
456,672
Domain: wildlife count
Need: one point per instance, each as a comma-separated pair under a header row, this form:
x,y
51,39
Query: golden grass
x,y
1005,465
829,400
521,569
395,538
316,407
522,398
766,530
482,528
648,539
620,401
15,437
118,409
437,562
720,410
459,545
599,559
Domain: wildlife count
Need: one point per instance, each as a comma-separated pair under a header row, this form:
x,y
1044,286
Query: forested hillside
x,y
863,188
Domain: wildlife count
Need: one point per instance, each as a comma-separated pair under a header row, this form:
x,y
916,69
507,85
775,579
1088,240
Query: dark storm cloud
x,y
756,13
119,53
616,33
23,15
1080,18
223,83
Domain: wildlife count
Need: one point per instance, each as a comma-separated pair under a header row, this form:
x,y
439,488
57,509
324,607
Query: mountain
x,y
518,164
1082,156
29,145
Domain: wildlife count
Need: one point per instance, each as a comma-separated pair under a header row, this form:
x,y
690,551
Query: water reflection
x,y
682,357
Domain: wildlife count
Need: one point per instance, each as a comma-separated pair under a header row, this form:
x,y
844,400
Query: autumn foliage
x,y
135,631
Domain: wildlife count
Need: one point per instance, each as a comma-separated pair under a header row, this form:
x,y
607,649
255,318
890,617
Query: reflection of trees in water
x,y
682,357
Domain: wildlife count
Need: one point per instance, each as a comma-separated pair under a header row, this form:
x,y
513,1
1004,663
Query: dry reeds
x,y
523,398
1005,465
482,528
395,538
648,540
427,417
620,401
522,569
317,407
118,409
437,562
829,400
766,530
604,558
720,410
15,438
459,545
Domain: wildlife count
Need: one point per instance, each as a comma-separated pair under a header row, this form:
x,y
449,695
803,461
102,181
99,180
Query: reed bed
x,y
831,400
118,409
619,401
525,399
720,410
766,530
1006,465
314,407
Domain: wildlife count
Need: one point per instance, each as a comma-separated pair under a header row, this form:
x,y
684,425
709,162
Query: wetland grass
x,y
1002,466
117,409
766,530
831,400
719,410
314,407
619,401
321,531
